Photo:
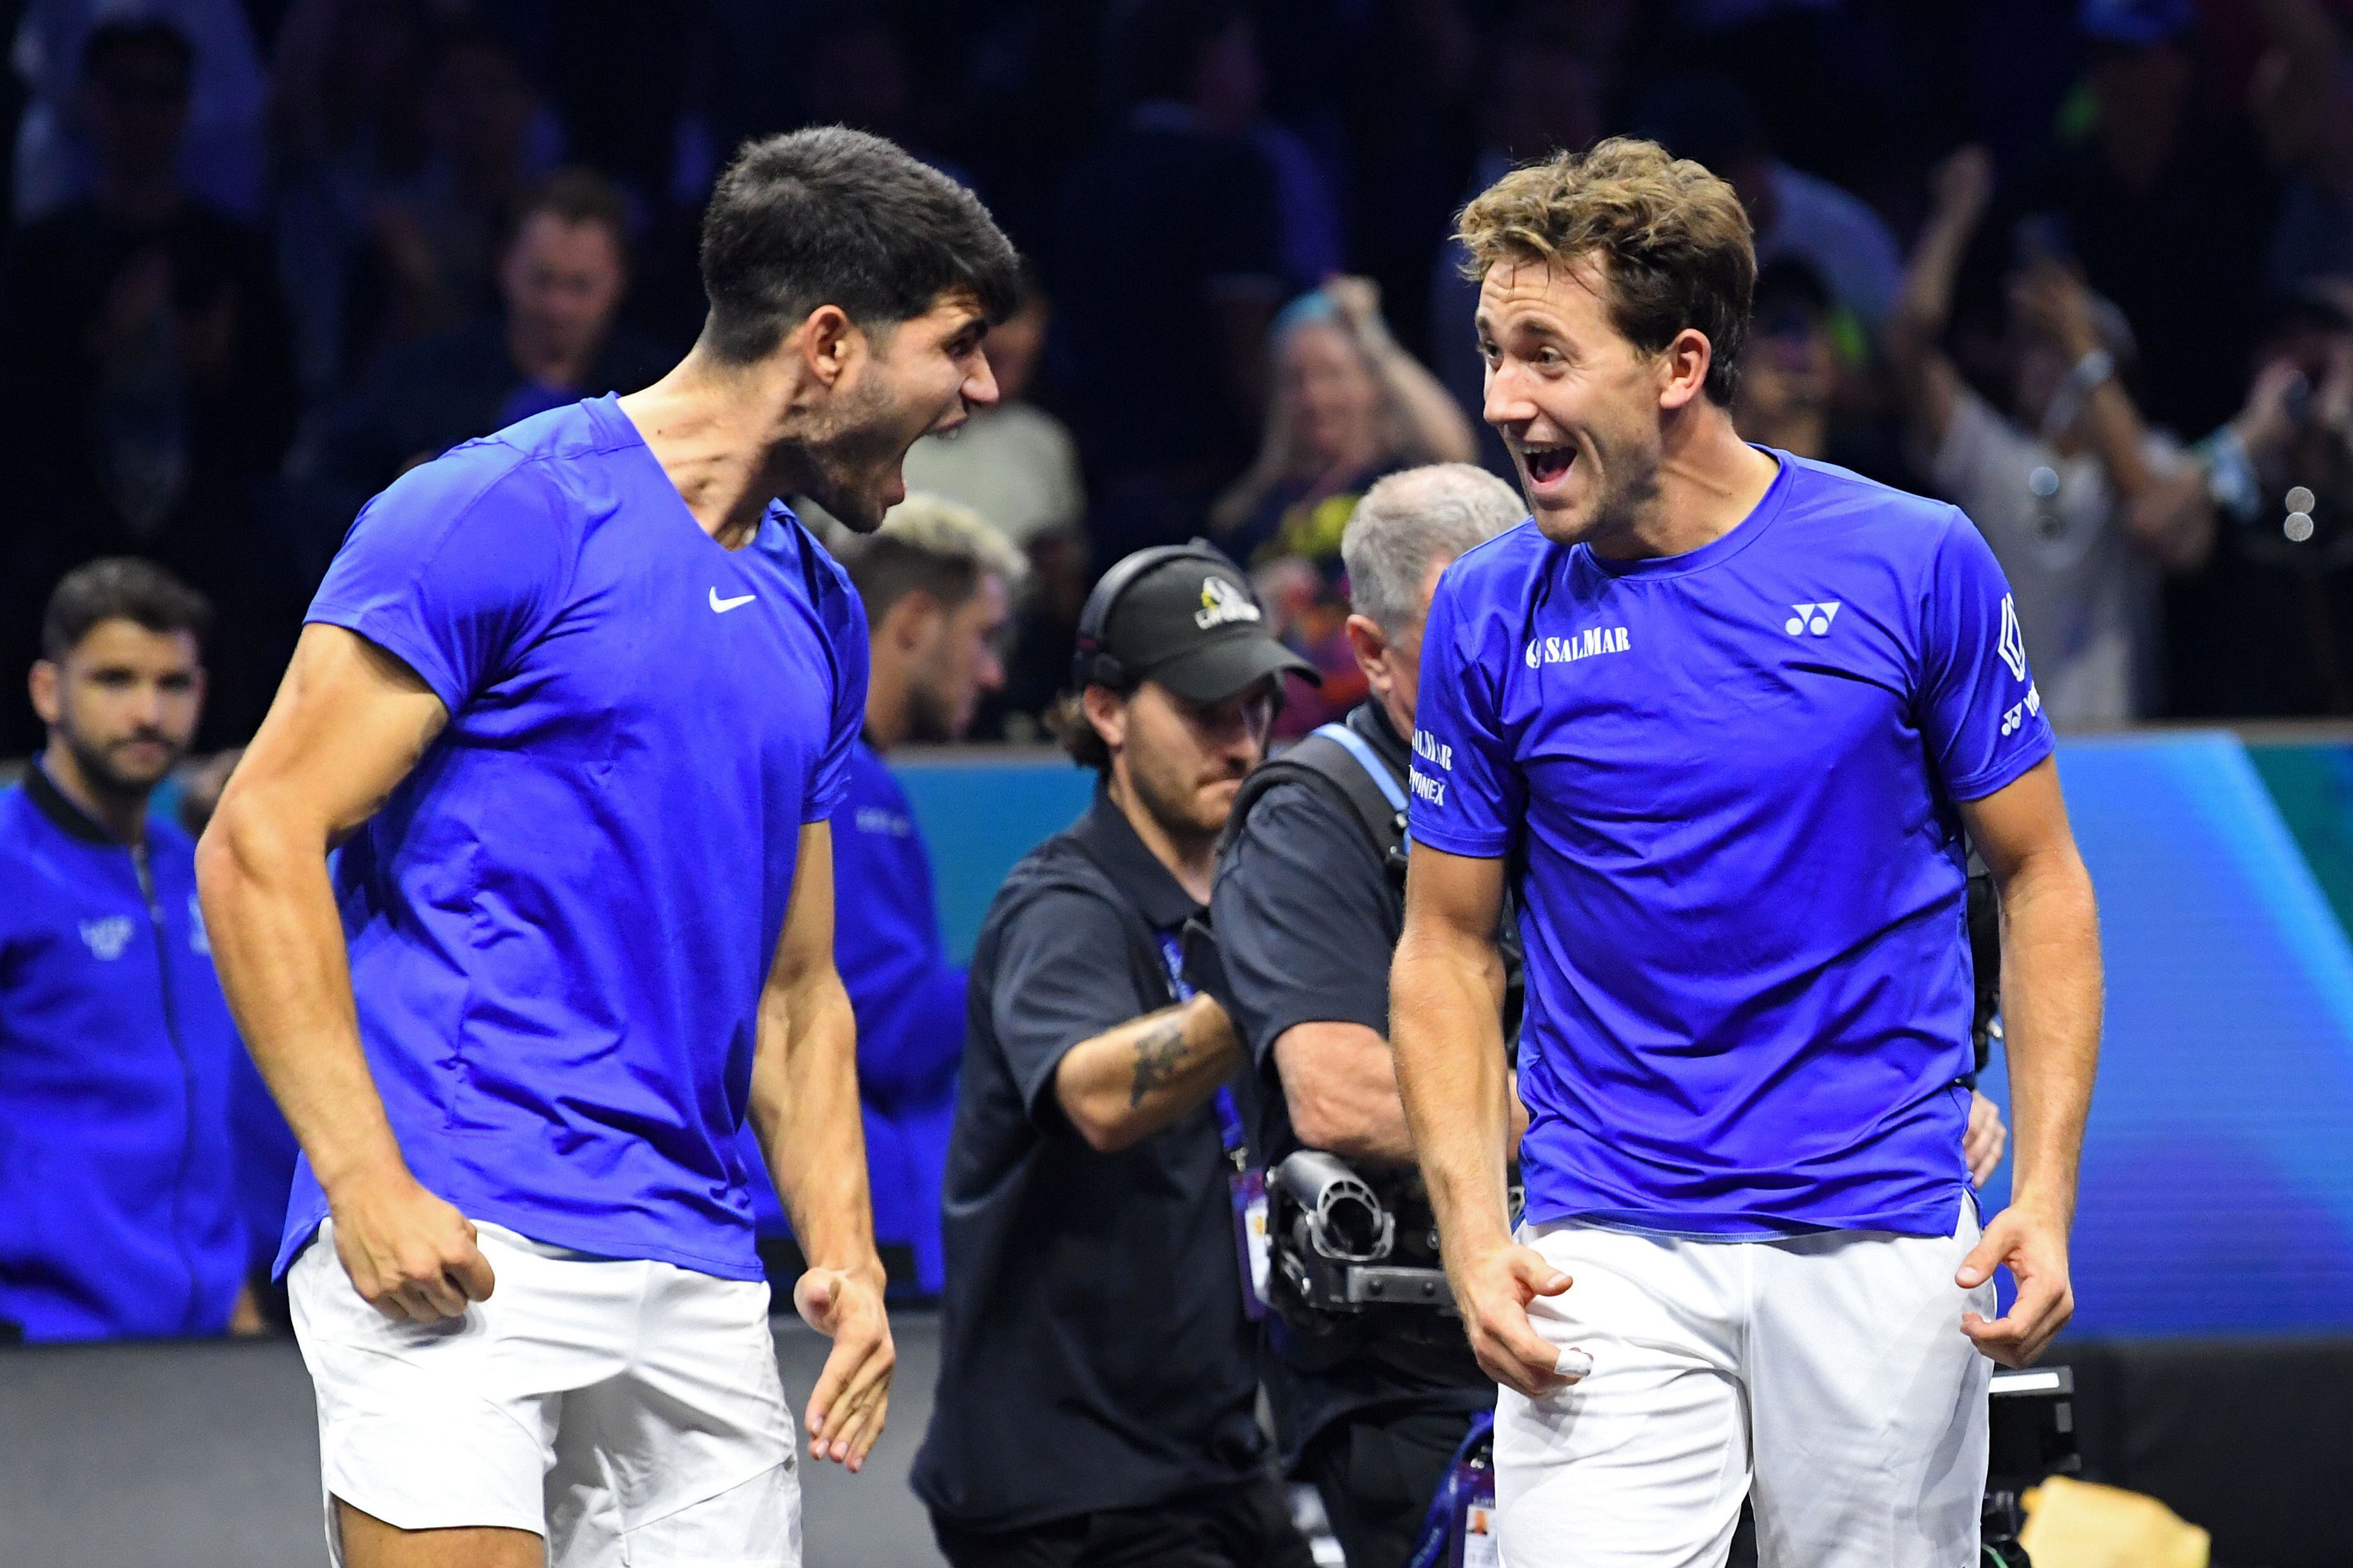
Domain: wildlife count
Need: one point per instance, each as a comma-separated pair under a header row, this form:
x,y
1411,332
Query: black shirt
x,y
1093,1350
1306,920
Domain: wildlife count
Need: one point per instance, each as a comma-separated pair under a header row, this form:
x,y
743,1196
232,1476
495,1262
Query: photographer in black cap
x,y
1370,1404
1098,1381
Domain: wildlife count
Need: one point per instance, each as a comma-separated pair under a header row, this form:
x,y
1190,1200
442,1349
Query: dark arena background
x,y
257,270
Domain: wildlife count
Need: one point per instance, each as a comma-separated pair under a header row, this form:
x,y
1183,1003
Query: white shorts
x,y
1826,1376
626,1412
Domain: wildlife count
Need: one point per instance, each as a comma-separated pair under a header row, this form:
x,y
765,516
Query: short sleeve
x,y
1978,710
829,781
1468,793
448,573
1304,920
1062,977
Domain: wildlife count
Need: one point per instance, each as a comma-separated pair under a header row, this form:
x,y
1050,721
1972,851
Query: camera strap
x,y
1246,1184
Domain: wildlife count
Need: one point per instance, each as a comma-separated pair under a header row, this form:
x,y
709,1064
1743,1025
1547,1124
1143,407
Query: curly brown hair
x,y
1670,238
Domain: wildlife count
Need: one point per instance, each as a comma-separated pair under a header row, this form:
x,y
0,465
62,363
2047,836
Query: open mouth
x,y
1546,464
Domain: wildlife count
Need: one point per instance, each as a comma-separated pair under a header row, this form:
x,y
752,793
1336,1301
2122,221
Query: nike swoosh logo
x,y
723,605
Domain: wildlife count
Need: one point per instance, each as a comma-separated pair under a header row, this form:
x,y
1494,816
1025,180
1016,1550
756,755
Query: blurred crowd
x,y
2083,266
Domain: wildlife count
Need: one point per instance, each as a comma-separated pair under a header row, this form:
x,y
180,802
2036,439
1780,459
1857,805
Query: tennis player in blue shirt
x,y
578,700
1719,716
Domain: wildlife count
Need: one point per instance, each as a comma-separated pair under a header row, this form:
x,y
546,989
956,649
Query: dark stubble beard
x,y
97,767
865,441
931,718
1173,803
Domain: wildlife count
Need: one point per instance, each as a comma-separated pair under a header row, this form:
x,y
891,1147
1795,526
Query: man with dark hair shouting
x,y
1719,716
577,700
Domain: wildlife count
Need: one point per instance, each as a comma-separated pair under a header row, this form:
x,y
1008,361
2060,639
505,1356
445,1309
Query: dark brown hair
x,y
120,588
1068,722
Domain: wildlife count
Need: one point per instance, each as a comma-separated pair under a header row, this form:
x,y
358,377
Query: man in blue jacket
x,y
938,582
118,1216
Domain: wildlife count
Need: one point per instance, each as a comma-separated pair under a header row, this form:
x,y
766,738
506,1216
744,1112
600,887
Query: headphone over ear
x,y
1093,664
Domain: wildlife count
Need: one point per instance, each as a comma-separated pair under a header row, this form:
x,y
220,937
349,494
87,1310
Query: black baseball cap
x,y
1193,624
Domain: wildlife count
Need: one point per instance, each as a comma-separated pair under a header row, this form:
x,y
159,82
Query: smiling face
x,y
1577,402
921,377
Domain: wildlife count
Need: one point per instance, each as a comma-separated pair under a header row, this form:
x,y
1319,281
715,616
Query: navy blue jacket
x,y
909,1005
118,1214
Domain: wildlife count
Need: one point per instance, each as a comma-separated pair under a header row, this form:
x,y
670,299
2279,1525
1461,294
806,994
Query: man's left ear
x,y
1685,362
831,343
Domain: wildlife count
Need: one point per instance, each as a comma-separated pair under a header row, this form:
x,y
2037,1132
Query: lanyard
x,y
1230,1117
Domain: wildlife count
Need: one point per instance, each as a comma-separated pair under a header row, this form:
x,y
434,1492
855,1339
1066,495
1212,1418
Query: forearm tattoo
x,y
1159,1057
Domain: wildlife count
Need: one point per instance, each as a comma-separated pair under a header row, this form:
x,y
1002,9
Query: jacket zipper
x,y
187,1075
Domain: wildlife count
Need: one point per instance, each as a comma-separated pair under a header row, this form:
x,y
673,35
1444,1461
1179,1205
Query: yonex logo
x,y
107,937
2013,641
2021,711
1814,618
1576,646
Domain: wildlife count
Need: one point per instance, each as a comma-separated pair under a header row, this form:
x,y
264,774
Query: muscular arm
x,y
1128,1083
804,1112
2051,1010
1340,1081
1447,1028
348,725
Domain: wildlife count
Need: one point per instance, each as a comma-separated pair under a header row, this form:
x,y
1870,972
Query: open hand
x,y
852,1397
2032,1244
410,1255
1493,1291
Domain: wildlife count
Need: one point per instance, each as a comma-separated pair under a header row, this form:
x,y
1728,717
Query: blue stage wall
x,y
2217,1179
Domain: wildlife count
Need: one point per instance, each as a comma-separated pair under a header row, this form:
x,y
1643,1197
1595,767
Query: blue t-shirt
x,y
559,922
1727,778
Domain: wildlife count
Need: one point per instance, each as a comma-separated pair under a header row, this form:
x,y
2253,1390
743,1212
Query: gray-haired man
x,y
1307,908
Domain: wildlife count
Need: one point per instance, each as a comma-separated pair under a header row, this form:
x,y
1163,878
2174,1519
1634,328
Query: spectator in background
x,y
118,1216
2164,194
2277,638
430,260
1348,405
1166,269
562,277
1017,466
1711,119
220,154
938,584
1791,378
856,73
1542,96
146,388
1014,464
2084,505
346,81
